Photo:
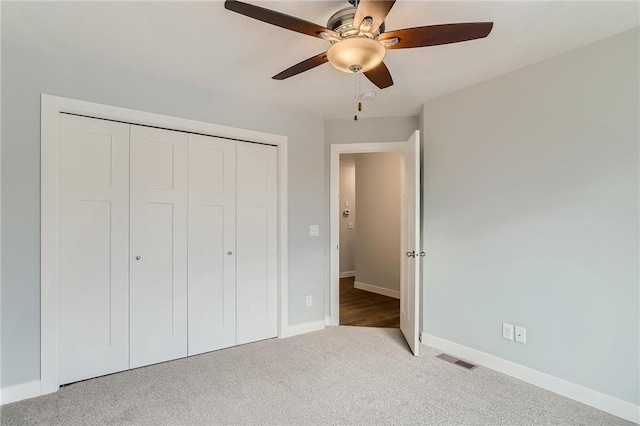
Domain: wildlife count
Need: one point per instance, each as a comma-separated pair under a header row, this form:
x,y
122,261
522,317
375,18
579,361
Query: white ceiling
x,y
204,44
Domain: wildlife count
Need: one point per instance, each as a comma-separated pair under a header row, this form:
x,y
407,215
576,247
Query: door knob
x,y
421,254
138,257
411,254
229,253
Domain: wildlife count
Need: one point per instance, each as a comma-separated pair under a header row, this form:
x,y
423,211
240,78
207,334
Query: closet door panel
x,y
94,244
158,289
257,240
212,228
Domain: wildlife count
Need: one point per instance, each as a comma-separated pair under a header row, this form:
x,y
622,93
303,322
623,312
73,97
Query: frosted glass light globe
x,y
357,54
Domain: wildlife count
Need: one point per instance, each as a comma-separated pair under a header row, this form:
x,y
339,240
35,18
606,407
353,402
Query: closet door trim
x,y
51,107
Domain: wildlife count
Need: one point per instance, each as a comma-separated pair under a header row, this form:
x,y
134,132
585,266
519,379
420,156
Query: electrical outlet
x,y
314,230
521,335
507,331
350,225
309,301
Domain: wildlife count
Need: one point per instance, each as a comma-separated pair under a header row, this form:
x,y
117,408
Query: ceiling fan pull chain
x,y
355,94
359,82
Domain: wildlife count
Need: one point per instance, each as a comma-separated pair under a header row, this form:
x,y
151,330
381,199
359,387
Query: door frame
x,y
50,108
332,307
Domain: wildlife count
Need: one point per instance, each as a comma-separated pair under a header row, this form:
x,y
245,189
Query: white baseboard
x,y
347,274
307,327
375,289
19,392
593,398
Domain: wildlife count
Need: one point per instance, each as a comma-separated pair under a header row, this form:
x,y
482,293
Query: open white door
x,y
409,242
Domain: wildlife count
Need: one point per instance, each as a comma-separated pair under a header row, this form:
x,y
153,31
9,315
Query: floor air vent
x,y
456,361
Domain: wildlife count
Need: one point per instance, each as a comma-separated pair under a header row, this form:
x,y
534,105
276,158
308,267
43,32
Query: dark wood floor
x,y
366,309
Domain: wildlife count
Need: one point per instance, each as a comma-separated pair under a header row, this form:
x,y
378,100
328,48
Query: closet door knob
x,y
229,253
138,257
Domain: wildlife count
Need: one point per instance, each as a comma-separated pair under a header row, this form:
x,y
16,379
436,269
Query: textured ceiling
x,y
202,43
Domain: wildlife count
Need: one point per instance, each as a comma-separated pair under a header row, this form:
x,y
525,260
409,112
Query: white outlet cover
x,y
309,301
507,331
521,335
350,225
314,230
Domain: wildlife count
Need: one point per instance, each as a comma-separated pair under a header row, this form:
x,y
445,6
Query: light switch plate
x,y
314,230
350,225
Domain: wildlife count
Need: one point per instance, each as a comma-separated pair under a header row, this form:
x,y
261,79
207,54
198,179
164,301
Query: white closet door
x,y
257,240
212,240
158,289
94,244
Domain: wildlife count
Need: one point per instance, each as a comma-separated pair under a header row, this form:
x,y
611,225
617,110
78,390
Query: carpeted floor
x,y
341,375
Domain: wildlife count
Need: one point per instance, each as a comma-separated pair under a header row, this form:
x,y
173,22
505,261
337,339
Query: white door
x,y
257,239
93,302
212,243
409,243
158,253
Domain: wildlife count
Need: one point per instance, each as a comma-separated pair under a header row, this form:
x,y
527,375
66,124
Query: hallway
x,y
365,309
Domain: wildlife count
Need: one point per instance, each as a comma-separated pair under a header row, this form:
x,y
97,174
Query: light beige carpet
x,y
341,375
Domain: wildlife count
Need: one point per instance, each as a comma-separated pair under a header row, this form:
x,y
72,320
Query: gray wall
x,y
531,216
381,129
378,237
27,72
348,194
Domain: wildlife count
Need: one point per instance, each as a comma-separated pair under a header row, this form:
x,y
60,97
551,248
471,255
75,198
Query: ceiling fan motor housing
x,y
342,23
356,51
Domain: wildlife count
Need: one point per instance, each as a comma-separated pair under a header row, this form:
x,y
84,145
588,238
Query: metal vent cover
x,y
456,361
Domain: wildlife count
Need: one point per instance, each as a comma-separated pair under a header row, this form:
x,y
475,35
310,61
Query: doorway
x,y
369,219
410,253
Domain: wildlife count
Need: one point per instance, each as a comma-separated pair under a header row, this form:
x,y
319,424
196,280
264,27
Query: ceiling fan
x,y
358,38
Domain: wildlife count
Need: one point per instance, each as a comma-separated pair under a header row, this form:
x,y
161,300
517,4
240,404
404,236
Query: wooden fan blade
x,y
434,35
278,19
380,76
375,9
302,66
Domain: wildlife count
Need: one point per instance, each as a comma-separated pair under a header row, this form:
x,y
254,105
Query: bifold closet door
x,y
158,251
257,242
212,244
93,300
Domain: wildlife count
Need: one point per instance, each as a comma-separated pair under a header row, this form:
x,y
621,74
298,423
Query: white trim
x,y
283,237
307,327
377,289
51,107
593,398
347,274
19,392
0,205
333,291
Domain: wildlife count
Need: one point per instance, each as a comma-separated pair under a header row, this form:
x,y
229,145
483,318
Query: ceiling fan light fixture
x,y
356,54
